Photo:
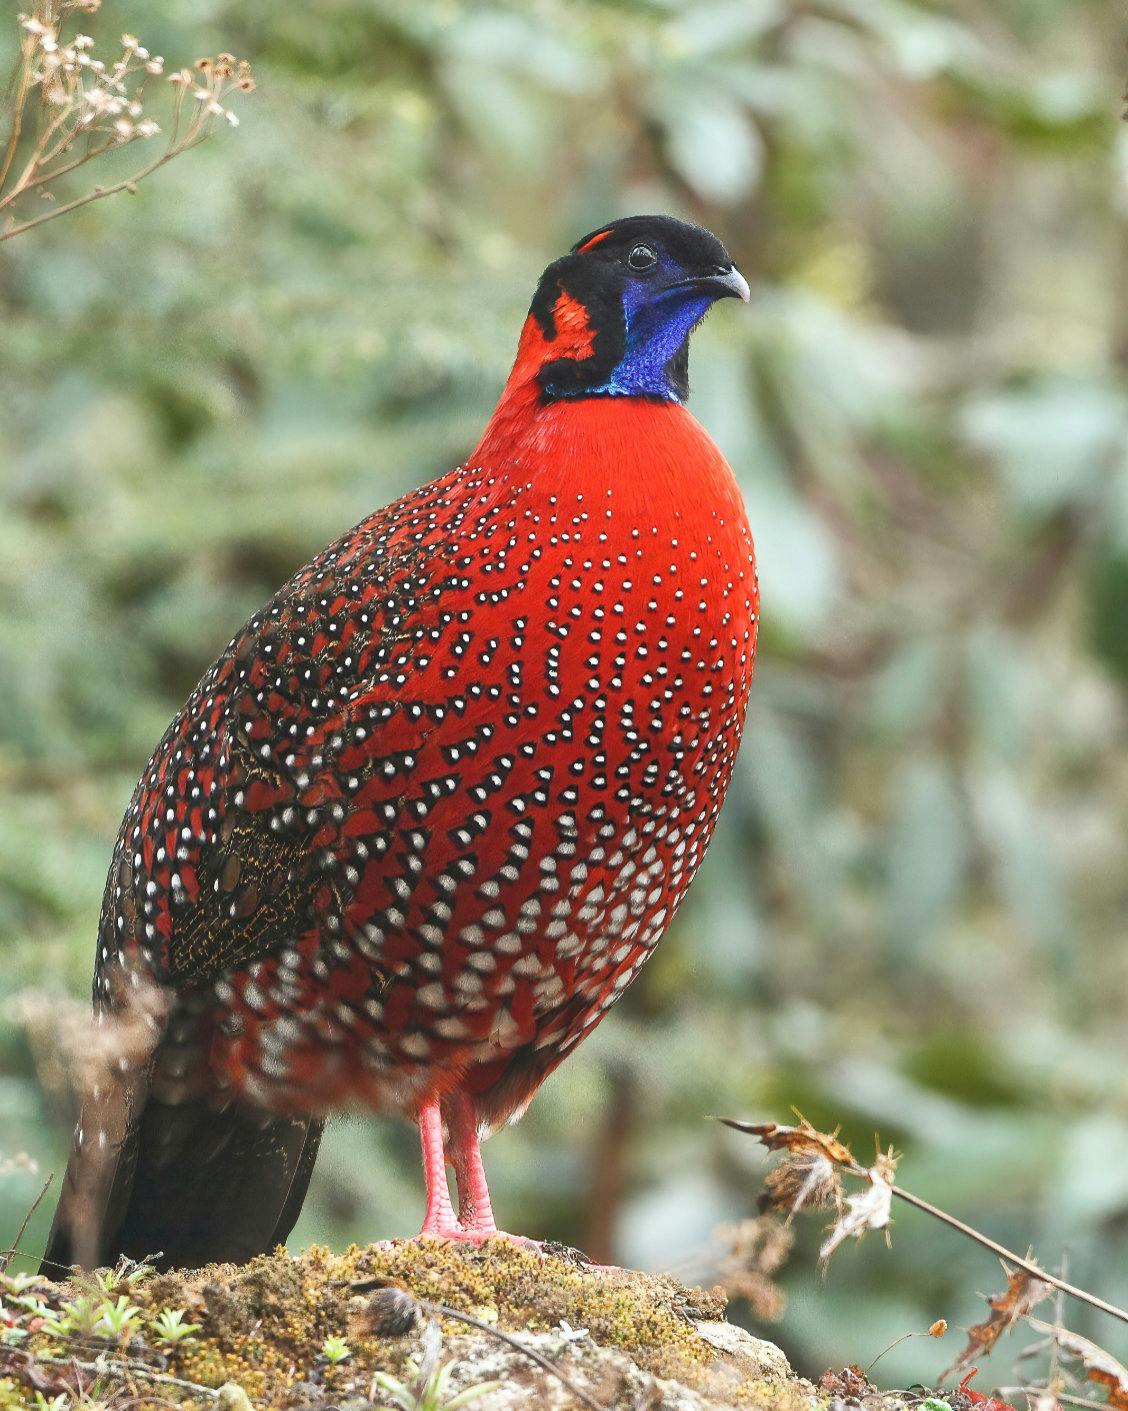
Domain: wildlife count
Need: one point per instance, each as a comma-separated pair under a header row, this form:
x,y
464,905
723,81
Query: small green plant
x,y
125,1271
335,1350
169,1326
75,1316
32,1304
118,1319
430,1381
19,1283
52,1403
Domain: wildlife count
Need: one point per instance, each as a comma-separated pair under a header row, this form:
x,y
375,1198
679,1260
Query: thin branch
x,y
545,1363
9,1254
26,52
1008,1256
124,1370
1059,1322
1057,1395
128,183
47,176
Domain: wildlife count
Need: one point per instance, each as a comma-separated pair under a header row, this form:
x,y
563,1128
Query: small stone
x,y
751,1356
232,1397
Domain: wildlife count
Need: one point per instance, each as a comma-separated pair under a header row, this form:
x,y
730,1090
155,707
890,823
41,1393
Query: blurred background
x,y
913,918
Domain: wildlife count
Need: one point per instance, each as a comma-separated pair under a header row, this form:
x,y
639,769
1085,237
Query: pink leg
x,y
440,1221
475,1221
475,1214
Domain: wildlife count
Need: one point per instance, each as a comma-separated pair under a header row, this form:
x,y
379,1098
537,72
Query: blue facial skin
x,y
658,321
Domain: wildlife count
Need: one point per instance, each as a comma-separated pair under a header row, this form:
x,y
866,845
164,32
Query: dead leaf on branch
x,y
805,1180
869,1209
1023,1292
1100,1366
808,1177
804,1137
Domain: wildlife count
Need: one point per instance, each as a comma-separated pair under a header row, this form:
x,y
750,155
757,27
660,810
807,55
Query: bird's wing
x,y
234,845
230,852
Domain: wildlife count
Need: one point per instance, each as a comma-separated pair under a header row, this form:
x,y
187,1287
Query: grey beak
x,y
734,283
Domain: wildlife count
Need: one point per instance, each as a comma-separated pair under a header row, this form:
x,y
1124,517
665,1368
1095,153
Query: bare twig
x,y
128,184
8,1255
546,1364
1067,1397
1008,1256
104,1367
27,48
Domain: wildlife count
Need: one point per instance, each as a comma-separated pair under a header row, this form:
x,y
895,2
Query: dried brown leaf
x,y
804,1180
850,1384
1100,1366
1023,1292
801,1138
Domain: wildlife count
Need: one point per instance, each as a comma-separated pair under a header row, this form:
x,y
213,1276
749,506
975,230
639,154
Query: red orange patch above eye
x,y
591,243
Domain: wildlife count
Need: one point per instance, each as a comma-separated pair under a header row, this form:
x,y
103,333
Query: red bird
x,y
426,817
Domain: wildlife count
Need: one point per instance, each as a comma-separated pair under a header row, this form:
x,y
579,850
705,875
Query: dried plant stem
x,y
87,106
1061,1396
23,84
125,1370
809,1150
545,1363
128,183
9,1254
1006,1255
47,176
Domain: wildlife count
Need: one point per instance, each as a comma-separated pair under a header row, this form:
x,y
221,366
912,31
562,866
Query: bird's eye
x,y
642,257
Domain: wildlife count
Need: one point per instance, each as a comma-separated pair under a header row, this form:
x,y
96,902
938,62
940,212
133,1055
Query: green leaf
x,y
1053,441
713,143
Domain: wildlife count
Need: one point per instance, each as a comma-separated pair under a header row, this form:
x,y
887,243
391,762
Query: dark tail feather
x,y
190,1182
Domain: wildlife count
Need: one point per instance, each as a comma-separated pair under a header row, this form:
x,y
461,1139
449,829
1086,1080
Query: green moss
x,y
263,1326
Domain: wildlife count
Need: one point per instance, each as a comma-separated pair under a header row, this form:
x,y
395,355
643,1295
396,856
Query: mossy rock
x,y
649,1342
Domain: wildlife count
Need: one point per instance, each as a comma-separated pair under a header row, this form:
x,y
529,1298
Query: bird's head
x,y
615,314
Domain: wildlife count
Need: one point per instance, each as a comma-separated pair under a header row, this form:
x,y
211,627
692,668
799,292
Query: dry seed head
x,y
803,1180
390,1313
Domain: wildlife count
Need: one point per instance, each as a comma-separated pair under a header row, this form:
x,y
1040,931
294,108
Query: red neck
x,y
649,452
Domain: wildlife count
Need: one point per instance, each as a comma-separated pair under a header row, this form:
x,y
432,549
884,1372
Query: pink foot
x,y
461,1235
474,1222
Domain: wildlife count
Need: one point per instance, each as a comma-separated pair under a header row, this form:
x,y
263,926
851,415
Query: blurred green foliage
x,y
913,917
